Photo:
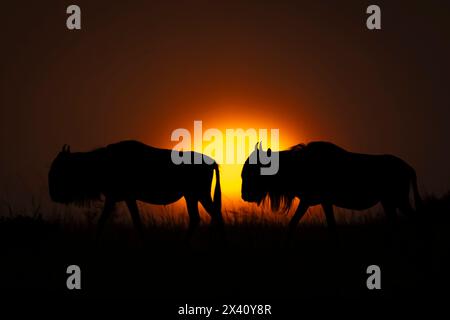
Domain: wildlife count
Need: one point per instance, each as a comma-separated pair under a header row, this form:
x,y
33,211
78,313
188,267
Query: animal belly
x,y
355,191
159,197
148,188
355,201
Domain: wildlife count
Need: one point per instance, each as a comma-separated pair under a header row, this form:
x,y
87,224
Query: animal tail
x,y
217,198
417,198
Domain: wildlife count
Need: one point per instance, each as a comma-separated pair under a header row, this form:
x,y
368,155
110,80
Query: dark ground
x,y
252,264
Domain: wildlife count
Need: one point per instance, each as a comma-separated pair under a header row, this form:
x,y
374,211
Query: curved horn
x,y
257,153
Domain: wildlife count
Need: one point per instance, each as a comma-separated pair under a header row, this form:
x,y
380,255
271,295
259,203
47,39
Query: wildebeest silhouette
x,y
130,171
321,173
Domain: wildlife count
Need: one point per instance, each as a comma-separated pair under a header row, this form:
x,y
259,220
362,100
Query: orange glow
x,y
230,173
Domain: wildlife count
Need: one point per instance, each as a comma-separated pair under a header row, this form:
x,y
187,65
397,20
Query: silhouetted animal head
x,y
74,177
254,185
257,187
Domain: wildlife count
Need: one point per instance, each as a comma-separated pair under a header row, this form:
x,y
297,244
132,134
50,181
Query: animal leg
x,y
107,209
329,215
301,210
217,235
134,211
391,213
331,222
194,216
407,209
216,217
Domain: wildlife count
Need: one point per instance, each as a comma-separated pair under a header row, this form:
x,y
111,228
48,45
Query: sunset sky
x,y
140,69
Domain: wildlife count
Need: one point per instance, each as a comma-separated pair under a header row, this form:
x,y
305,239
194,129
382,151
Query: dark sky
x,y
140,69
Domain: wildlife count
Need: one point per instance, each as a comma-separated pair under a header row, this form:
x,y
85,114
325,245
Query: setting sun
x,y
230,143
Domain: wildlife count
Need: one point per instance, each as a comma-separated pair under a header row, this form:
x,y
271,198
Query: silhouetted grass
x,y
252,259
